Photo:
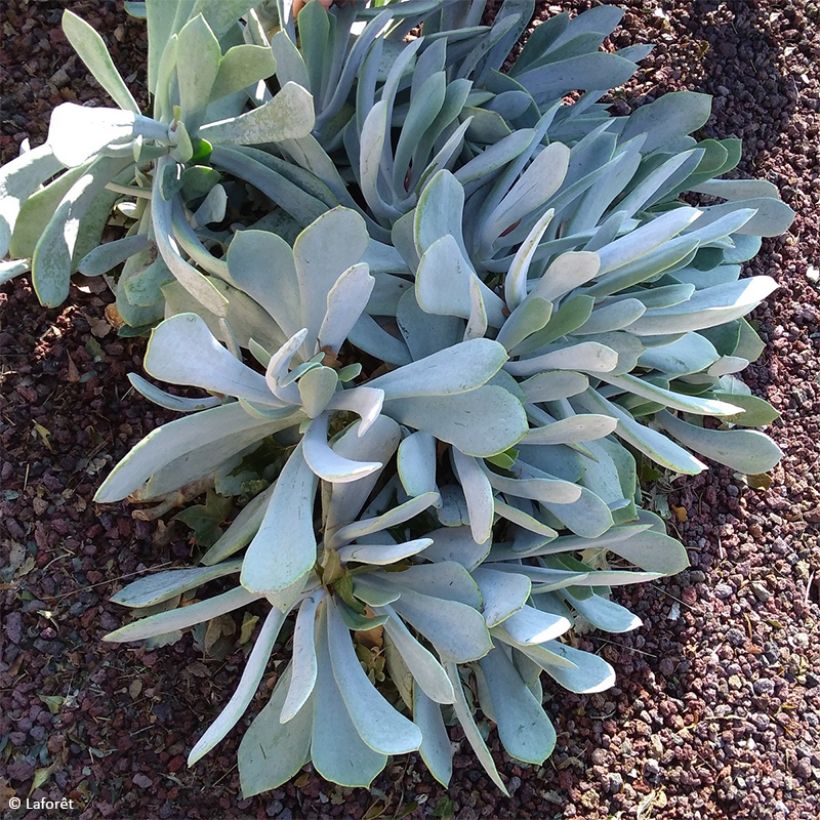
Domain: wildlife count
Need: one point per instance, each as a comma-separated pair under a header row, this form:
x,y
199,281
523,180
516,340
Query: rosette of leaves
x,y
530,319
361,584
205,84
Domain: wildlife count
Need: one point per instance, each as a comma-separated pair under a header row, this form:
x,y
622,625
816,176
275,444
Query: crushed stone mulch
x,y
717,704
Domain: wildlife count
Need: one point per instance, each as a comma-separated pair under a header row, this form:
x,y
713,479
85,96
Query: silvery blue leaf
x,y
345,302
456,630
241,531
289,115
383,554
504,593
679,112
182,617
416,463
378,724
443,282
435,747
270,752
523,728
747,451
588,673
554,385
478,495
336,749
377,444
397,515
707,308
573,430
245,690
567,272
323,251
457,544
647,238
455,370
162,586
427,671
326,462
304,665
535,186
603,613
515,282
316,389
529,482
498,418
669,398
464,713
284,548
183,351
242,66
19,179
178,439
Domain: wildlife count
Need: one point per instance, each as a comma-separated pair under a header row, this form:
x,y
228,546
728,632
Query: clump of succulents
x,y
449,318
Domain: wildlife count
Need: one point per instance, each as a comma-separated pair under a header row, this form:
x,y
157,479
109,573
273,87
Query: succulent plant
x,y
434,358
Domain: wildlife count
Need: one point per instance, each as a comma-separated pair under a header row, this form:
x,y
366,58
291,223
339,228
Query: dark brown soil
x,y
717,706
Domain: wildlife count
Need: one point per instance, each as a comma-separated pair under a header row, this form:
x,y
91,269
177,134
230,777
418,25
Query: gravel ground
x,y
717,705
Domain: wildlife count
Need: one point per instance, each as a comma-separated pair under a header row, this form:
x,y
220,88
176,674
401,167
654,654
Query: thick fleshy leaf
x,y
304,665
162,586
284,548
183,351
392,518
326,462
456,544
504,593
532,626
379,442
554,385
515,282
572,430
92,51
523,727
289,115
198,68
246,689
379,725
657,446
669,398
478,494
536,485
457,631
747,451
345,302
336,749
270,752
182,617
443,281
589,357
707,308
427,671
19,179
603,613
435,749
242,66
588,673
416,463
453,371
464,713
497,418
534,187
383,554
241,530
53,260
176,440
567,272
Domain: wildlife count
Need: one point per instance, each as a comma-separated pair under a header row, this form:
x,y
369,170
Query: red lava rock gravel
x,y
717,704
